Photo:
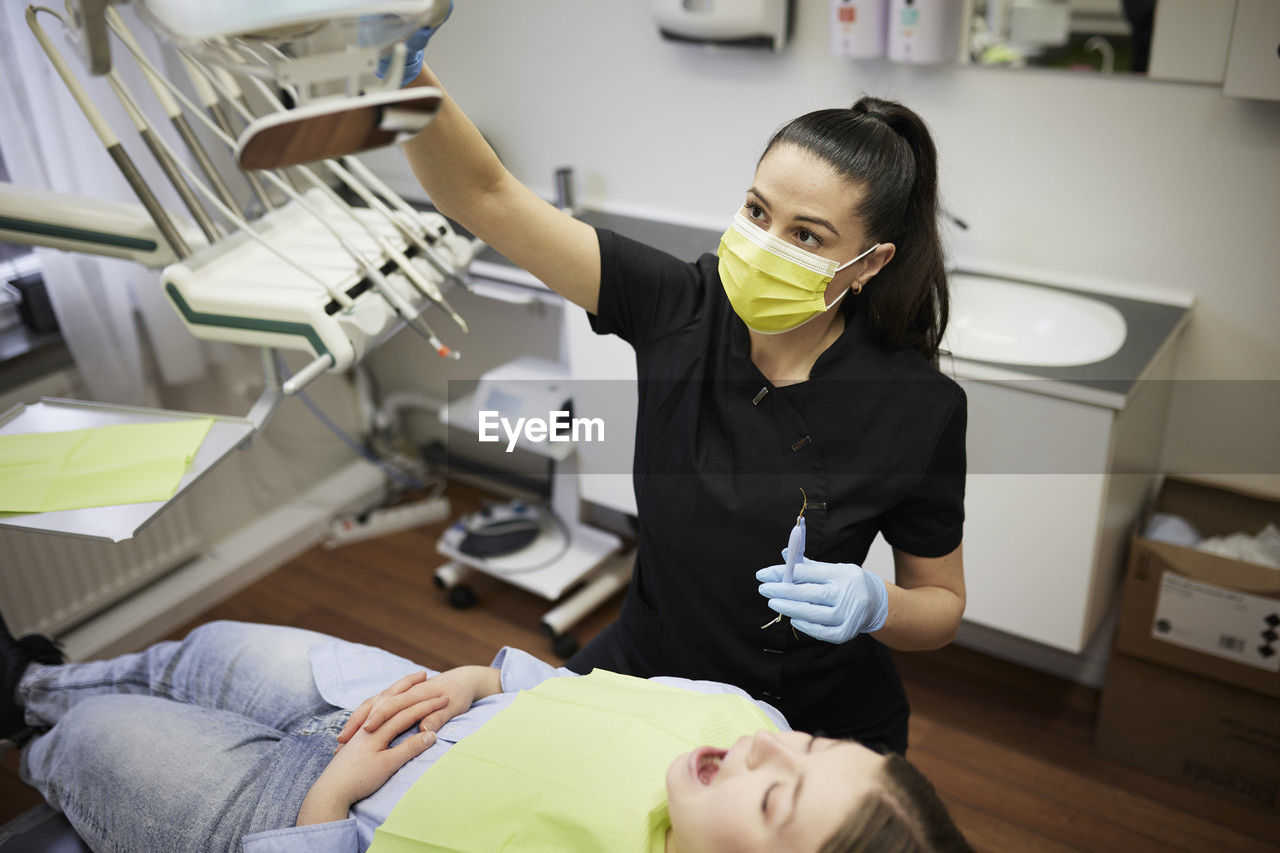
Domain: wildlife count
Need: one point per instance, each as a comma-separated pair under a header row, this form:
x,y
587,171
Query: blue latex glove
x,y
828,601
416,44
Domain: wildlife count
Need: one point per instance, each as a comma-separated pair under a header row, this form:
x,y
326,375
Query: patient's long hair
x,y
904,814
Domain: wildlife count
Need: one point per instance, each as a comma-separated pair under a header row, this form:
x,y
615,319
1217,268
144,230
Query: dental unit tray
x,y
121,521
239,292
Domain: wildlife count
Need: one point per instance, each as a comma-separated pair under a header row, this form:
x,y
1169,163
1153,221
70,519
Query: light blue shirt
x,y
347,673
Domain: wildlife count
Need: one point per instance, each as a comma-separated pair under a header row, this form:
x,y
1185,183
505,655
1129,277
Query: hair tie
x,y
878,116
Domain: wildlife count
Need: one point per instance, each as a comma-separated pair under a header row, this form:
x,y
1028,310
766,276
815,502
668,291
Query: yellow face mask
x,y
773,285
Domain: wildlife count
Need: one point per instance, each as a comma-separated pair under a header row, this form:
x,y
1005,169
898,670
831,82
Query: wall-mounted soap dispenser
x,y
859,28
742,23
923,32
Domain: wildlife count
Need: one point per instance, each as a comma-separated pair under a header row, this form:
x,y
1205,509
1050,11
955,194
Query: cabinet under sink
x,y
1062,458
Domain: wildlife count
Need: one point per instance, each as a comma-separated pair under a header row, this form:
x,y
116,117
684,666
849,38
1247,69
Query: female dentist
x,y
802,357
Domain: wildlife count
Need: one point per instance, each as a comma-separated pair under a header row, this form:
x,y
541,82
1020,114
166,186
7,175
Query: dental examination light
x,y
296,267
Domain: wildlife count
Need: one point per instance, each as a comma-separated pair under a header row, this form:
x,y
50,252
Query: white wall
x,y
1161,184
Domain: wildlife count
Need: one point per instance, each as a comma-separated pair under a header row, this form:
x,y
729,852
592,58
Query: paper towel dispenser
x,y
741,23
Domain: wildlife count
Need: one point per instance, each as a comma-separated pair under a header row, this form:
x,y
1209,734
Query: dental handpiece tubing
x,y
795,549
173,110
149,201
108,138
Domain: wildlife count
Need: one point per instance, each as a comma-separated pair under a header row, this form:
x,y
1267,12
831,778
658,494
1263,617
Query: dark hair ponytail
x,y
886,148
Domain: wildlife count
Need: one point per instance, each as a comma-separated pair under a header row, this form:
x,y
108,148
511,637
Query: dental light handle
x,y
795,549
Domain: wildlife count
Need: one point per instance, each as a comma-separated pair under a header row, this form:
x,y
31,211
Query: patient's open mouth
x,y
705,763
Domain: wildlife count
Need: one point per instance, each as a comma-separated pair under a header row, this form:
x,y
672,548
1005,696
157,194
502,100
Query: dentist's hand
x,y
828,601
415,45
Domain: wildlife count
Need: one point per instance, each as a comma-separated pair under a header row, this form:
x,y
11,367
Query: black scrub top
x,y
875,437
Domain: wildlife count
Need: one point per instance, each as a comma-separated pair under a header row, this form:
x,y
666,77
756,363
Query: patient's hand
x,y
437,700
364,766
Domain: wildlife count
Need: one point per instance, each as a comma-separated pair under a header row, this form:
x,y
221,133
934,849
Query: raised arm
x,y
467,183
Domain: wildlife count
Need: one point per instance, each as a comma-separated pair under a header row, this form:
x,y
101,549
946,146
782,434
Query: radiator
x,y
50,583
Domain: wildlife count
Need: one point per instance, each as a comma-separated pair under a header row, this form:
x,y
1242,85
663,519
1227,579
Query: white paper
x,y
1218,621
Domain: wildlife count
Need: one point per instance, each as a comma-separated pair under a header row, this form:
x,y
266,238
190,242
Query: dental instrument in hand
x,y
832,602
795,551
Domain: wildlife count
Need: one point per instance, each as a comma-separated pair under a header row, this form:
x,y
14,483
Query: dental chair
x,y
298,267
40,830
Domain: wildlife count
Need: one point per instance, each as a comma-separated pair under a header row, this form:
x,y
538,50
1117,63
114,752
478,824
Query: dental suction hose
x,y
174,111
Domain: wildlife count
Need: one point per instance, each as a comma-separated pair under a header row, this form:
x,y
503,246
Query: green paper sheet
x,y
103,466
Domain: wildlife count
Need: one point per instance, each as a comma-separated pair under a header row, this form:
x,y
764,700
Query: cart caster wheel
x,y
564,645
461,597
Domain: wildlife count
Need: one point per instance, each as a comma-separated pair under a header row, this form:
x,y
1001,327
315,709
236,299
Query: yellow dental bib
x,y
573,764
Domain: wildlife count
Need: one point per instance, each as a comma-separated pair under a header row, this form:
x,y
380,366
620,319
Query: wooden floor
x,y
1008,748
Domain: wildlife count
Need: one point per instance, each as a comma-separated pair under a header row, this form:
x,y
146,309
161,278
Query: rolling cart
x,y
574,565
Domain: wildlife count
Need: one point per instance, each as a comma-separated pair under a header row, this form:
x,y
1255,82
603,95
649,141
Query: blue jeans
x,y
185,746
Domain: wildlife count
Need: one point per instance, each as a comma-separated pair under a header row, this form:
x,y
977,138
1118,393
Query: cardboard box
x,y
1197,731
1199,612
